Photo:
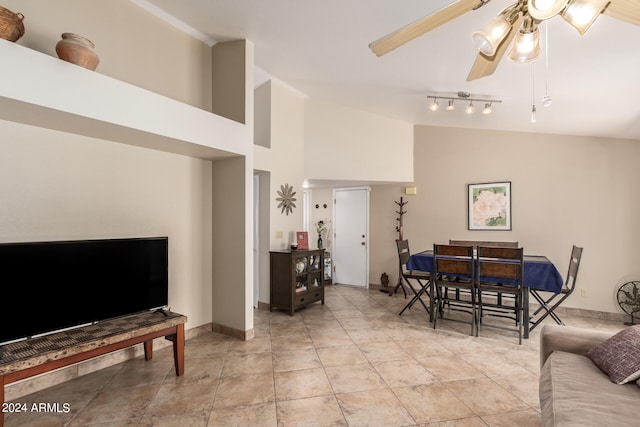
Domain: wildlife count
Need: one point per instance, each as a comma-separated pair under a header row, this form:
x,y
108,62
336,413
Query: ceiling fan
x,y
518,21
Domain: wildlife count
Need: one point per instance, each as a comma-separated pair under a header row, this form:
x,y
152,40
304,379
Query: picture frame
x,y
489,206
302,238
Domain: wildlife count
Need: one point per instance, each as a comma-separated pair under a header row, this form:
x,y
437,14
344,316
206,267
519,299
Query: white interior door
x,y
351,238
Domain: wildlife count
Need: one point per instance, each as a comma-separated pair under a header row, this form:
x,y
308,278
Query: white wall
x,y
342,143
59,186
565,190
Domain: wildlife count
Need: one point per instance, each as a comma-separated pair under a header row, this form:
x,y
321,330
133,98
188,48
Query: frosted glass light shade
x,y
545,9
489,38
526,46
582,13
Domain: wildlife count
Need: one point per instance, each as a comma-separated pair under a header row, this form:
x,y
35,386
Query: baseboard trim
x,y
234,333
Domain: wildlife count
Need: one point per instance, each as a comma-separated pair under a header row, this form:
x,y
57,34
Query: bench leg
x,y
1,400
178,349
148,350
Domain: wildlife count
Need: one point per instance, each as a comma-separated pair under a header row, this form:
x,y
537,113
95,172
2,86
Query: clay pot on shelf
x,y
77,50
11,26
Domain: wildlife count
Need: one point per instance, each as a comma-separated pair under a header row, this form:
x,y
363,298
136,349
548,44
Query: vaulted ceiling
x,y
321,49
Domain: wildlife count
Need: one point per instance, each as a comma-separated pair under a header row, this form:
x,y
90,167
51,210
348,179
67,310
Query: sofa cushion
x,y
574,392
619,356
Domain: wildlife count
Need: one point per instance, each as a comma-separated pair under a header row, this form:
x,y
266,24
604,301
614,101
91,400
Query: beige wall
x,y
134,46
565,190
337,138
58,186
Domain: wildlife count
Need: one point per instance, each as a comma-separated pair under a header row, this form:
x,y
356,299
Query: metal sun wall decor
x,y
286,199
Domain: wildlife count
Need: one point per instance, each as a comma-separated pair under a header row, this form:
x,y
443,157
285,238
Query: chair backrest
x,y
476,243
500,263
574,264
454,260
403,253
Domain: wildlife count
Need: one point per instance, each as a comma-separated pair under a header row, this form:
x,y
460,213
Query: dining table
x,y
539,273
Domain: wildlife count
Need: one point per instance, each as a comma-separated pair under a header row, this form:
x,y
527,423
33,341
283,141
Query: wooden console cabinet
x,y
297,278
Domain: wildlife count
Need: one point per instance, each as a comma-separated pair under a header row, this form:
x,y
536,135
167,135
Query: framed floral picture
x,y
490,206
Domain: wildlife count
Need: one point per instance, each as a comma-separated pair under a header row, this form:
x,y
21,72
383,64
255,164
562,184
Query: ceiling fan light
x,y
489,38
450,106
434,105
526,47
582,13
545,9
487,108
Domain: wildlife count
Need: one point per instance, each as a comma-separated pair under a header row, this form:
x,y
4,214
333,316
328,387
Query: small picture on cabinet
x,y
302,237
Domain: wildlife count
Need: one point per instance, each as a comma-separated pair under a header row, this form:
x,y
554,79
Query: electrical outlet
x,y
278,234
584,293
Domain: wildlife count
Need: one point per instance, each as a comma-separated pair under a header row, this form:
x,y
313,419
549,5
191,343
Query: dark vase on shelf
x,y
319,242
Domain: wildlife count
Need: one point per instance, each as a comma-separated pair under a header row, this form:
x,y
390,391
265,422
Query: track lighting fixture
x,y
462,96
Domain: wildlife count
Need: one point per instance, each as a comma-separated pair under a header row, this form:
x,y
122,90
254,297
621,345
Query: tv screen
x,y
48,286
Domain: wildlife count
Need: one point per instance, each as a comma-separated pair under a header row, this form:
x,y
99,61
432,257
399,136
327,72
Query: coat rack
x,y
399,228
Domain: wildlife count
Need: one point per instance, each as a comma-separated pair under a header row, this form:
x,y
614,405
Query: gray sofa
x,y
573,390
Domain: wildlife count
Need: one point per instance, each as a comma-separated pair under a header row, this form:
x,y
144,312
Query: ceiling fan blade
x,y
625,10
405,34
486,65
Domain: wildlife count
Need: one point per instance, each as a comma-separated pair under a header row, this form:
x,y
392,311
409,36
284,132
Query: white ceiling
x,y
321,49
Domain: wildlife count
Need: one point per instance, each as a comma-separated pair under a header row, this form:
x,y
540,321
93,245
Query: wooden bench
x,y
34,356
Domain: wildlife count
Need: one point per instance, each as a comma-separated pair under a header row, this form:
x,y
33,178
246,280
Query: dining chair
x,y
476,243
454,281
547,304
499,273
423,279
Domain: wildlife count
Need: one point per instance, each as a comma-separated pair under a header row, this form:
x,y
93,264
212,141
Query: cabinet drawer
x,y
307,297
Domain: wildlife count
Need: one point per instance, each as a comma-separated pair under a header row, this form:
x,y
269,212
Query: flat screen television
x,y
49,286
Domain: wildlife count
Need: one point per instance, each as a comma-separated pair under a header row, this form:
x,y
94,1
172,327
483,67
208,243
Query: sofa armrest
x,y
569,339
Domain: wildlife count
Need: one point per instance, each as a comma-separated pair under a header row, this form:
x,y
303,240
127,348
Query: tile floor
x,y
350,362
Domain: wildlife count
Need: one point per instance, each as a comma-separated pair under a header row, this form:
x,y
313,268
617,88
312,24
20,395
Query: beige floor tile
x,y
301,384
374,408
485,397
528,418
245,364
351,378
383,351
256,345
450,368
464,422
525,387
196,370
356,323
181,420
432,403
260,415
290,342
370,367
311,412
402,373
289,328
117,405
244,390
360,336
175,399
140,372
330,338
341,355
295,360
422,348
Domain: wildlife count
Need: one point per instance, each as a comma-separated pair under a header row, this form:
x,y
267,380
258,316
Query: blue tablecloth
x,y
539,272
